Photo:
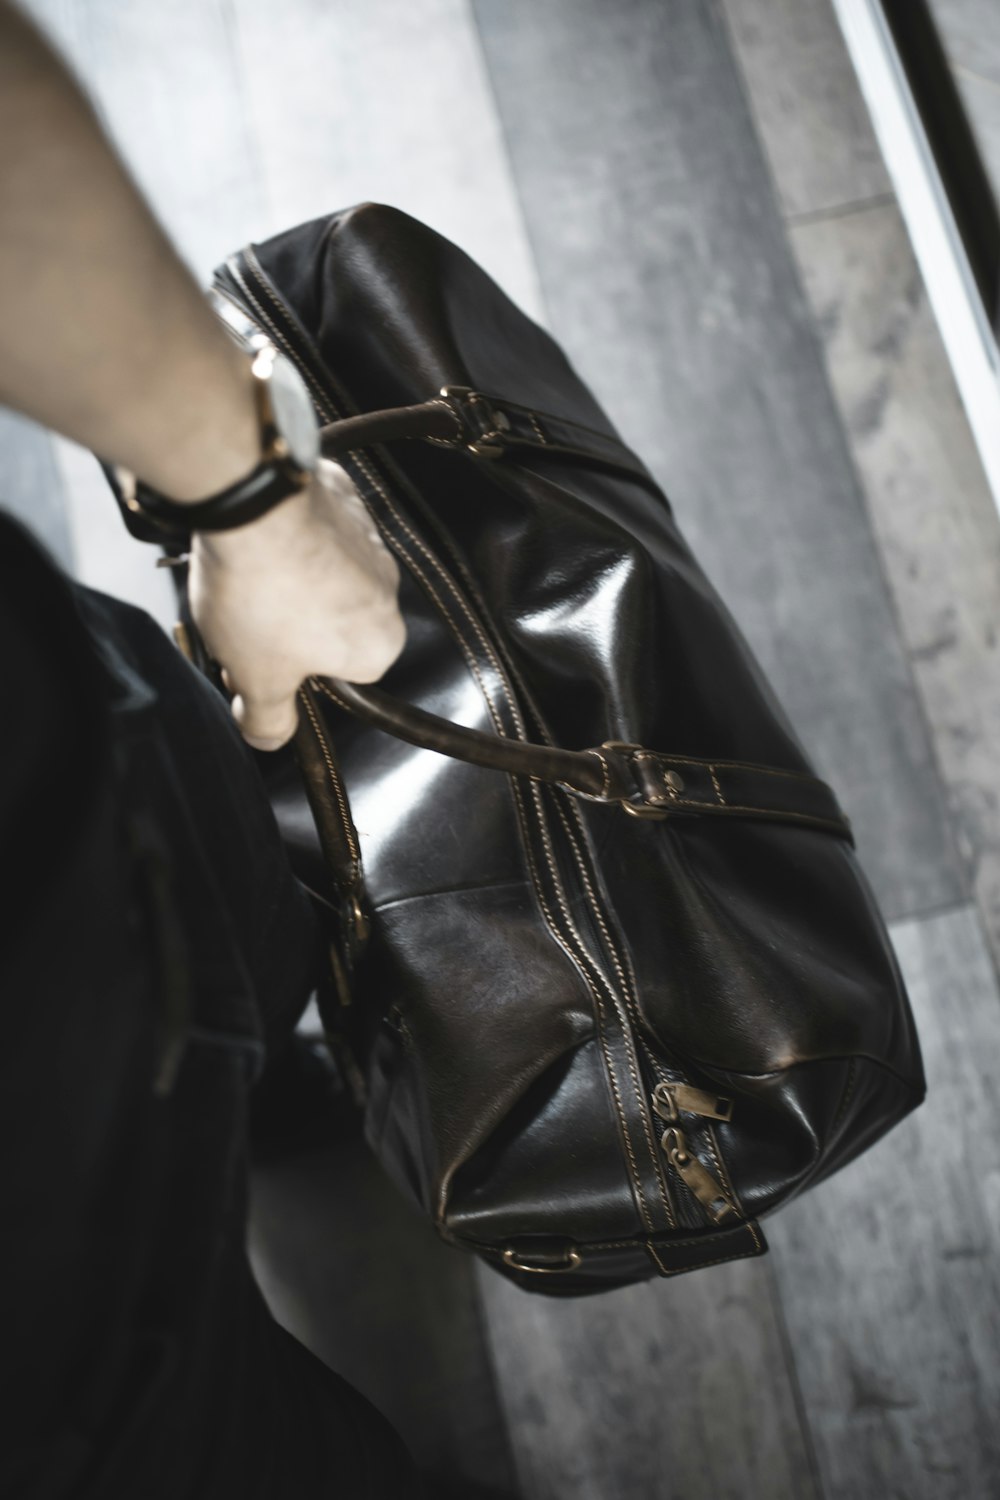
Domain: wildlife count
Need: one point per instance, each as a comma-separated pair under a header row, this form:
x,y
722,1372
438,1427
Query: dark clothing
x,y
155,946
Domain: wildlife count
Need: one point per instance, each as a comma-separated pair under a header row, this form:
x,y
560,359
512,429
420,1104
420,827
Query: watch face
x,y
293,413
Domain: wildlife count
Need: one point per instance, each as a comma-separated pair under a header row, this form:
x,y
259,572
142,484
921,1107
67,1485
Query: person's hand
x,y
308,589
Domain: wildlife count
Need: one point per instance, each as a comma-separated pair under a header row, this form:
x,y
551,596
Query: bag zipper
x,y
670,1101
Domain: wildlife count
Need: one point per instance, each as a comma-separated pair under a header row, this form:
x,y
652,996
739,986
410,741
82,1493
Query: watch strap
x,y
274,478
251,497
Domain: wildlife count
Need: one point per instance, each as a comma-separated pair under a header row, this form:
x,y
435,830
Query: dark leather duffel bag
x,y
610,1007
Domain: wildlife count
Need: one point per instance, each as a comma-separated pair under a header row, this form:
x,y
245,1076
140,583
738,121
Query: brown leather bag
x,y
613,1004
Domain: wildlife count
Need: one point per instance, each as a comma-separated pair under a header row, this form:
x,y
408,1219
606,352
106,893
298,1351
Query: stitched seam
x,y
459,431
525,411
631,991
605,772
778,813
636,1244
720,1166
704,1264
651,1251
550,854
625,1019
742,765
852,1076
537,427
668,795
582,954
369,473
550,857
715,783
582,951
473,589
345,816
631,1244
581,968
322,400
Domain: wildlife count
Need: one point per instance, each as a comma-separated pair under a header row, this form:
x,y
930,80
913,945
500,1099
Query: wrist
x,y
261,537
214,450
283,456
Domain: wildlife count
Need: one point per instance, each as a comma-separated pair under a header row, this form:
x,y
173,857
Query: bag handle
x,y
488,427
587,772
645,783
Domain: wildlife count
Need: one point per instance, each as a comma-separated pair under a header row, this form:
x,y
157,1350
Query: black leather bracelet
x,y
289,450
271,482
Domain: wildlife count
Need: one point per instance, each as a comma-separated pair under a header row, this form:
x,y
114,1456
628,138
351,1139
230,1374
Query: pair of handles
x,y
644,782
466,420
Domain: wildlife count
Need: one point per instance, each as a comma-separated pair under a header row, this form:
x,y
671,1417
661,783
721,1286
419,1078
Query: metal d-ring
x,y
573,1259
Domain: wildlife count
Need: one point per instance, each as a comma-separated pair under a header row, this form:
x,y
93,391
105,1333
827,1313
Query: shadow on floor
x,y
351,1270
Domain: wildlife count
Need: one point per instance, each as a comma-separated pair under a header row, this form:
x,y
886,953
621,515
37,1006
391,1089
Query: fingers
x,y
266,725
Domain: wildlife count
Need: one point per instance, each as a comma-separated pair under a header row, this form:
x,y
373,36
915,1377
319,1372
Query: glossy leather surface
x,y
538,962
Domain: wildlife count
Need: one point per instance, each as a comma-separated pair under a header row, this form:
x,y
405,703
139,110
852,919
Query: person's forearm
x,y
105,335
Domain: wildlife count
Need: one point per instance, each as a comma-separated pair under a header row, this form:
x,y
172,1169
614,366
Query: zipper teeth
x,y
329,410
324,403
679,1185
331,765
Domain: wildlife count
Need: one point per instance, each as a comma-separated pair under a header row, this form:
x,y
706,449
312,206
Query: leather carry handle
x,y
488,427
581,770
431,420
646,783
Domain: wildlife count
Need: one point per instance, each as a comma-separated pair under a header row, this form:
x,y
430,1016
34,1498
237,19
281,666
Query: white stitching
x,y
605,772
631,1005
331,766
550,855
632,1062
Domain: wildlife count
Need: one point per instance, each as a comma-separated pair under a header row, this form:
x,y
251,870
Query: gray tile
x,y
890,1272
399,111
365,1283
665,1389
667,274
970,32
32,487
806,103
933,514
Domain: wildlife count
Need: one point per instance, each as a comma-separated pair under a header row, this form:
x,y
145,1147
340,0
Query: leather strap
x,y
459,418
646,783
489,427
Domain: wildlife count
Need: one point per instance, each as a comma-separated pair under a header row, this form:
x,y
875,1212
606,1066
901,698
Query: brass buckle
x,y
484,425
645,809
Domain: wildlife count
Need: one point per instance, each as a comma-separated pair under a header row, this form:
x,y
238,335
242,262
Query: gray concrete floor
x,y
689,194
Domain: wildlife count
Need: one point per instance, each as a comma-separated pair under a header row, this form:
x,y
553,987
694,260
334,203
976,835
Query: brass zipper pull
x,y
708,1191
669,1098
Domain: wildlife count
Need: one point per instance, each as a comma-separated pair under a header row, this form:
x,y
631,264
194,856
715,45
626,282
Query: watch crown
x,y
263,361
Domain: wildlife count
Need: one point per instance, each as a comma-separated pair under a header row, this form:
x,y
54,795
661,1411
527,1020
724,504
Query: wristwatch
x,y
289,443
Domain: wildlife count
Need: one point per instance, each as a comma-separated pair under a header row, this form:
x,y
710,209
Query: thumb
x,y
266,724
